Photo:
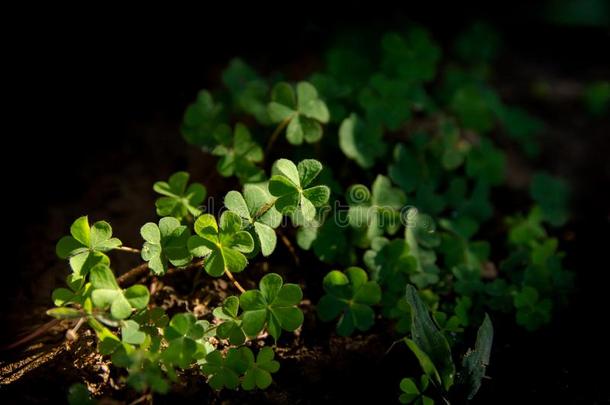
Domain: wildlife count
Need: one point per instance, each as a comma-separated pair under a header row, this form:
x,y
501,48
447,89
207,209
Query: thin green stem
x,y
277,132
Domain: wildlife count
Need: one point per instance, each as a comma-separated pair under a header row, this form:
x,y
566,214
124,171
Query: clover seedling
x,y
413,393
87,244
179,200
231,326
289,184
303,112
165,243
256,208
259,372
239,154
201,120
532,312
273,305
224,371
107,293
349,295
223,247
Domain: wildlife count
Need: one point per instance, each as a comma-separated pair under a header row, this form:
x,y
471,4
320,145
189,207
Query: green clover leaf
x,y
486,162
388,102
328,241
406,170
78,394
231,326
414,394
532,312
78,290
289,184
239,154
248,89
151,320
597,97
201,121
183,334
179,201
87,244
413,57
165,243
304,111
551,194
224,246
478,44
349,295
421,238
361,141
377,212
131,333
259,372
476,106
257,210
224,371
273,305
107,293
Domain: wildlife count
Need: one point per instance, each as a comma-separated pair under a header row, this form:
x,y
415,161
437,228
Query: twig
x,y
235,283
290,247
128,249
32,335
132,275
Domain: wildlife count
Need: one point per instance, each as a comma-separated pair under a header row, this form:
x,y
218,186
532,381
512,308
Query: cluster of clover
x,y
421,133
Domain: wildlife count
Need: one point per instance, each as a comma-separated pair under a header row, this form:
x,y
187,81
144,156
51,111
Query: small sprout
x,y
349,295
179,201
231,326
165,243
248,90
258,374
107,293
224,246
414,394
183,334
87,244
239,154
225,371
274,306
289,184
77,290
201,121
256,207
304,111
532,312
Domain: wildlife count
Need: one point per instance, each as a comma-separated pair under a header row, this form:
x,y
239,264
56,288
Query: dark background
x,y
100,101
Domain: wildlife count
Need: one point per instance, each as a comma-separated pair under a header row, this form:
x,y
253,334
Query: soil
x,y
142,144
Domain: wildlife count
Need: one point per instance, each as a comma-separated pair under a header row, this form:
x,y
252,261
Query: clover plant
x,y
387,170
